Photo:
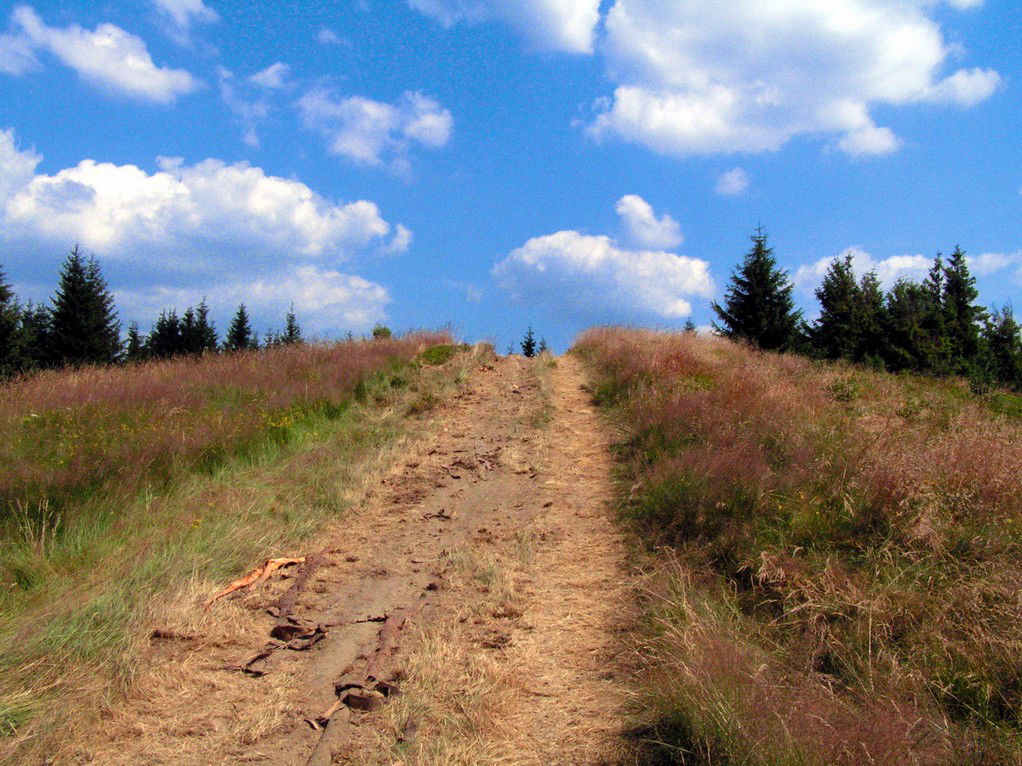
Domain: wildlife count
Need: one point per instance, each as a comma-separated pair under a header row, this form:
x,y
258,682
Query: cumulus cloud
x,y
375,133
643,228
108,57
326,301
888,270
987,264
202,224
596,278
273,77
186,12
722,76
734,182
562,25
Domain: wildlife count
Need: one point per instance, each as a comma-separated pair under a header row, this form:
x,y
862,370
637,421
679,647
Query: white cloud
x,y
122,210
563,25
328,37
17,55
643,228
250,111
376,133
400,242
733,183
594,277
273,77
326,301
186,231
107,56
888,270
987,264
724,76
184,12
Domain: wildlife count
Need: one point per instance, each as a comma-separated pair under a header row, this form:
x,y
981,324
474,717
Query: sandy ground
x,y
473,609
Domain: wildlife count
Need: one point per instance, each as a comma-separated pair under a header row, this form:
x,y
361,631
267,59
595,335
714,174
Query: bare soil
x,y
473,609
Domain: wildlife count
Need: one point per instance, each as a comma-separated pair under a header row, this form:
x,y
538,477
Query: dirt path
x,y
483,578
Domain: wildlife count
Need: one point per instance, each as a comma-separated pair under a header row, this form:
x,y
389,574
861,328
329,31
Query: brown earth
x,y
473,609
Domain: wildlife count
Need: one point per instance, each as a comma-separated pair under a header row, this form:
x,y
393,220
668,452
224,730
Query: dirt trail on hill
x,y
473,609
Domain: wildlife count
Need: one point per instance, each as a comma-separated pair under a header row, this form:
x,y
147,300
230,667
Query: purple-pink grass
x,y
65,434
866,529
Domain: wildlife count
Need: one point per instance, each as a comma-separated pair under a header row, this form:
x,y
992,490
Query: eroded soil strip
x,y
510,460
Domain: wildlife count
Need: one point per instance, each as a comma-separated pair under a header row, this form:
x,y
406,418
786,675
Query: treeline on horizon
x,y
932,327
80,327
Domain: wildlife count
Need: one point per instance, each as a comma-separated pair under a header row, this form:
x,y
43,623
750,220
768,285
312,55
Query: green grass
x,y
441,353
80,589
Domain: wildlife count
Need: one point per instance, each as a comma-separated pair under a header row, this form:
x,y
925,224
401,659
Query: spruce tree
x,y
758,304
908,345
205,329
1002,347
933,352
134,350
529,344
961,315
872,321
165,339
11,338
239,334
35,337
191,342
292,334
690,326
836,333
83,326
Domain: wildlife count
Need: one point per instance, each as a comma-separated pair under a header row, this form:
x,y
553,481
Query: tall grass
x,y
121,484
845,551
66,434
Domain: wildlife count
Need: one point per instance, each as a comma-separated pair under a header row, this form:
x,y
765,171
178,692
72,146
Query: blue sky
x,y
495,164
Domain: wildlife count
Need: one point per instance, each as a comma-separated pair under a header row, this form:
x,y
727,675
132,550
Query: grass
x,y
836,555
244,457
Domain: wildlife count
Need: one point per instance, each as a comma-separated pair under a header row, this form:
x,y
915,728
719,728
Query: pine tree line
x,y
934,326
80,327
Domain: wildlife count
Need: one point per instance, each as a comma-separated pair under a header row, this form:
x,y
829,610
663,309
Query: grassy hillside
x,y
123,484
837,555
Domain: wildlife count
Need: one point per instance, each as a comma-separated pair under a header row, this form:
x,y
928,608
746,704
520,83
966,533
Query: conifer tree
x,y
872,321
165,339
961,316
836,333
908,345
205,329
1002,346
191,342
239,335
529,344
543,347
35,337
83,327
135,347
758,305
11,338
933,352
292,334
690,326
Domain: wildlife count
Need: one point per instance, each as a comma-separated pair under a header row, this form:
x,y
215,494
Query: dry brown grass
x,y
75,640
862,534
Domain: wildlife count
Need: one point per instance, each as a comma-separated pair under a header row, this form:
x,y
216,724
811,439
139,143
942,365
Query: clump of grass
x,y
441,353
866,527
